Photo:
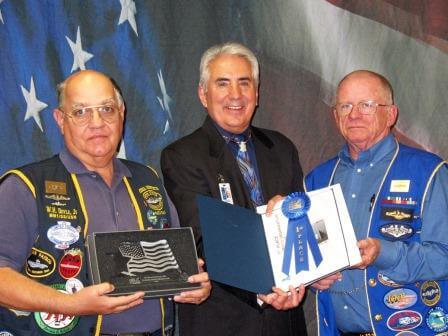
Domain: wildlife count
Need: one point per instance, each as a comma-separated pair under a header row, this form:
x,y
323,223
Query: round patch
x,y
62,235
436,319
70,264
430,293
404,320
386,281
400,298
56,324
153,199
40,264
73,285
296,205
5,333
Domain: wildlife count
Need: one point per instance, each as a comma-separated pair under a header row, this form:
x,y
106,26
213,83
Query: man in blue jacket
x,y
398,203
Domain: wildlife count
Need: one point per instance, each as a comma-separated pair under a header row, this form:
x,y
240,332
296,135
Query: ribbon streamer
x,y
300,234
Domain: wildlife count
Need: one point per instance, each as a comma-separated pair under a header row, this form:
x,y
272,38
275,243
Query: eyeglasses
x,y
82,116
364,107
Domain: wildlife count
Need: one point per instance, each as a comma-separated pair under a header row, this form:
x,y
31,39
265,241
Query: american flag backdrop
x,y
152,49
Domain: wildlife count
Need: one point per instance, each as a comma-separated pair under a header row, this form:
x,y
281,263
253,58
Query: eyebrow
x,y
225,79
104,102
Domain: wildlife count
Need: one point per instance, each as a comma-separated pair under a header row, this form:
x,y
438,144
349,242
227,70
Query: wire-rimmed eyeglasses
x,y
367,107
81,116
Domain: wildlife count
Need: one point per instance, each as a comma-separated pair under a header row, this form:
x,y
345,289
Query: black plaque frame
x,y
108,264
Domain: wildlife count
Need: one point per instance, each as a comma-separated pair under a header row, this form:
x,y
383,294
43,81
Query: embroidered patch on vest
x,y
40,264
5,333
56,324
396,231
63,235
404,320
397,213
54,187
153,198
430,293
400,298
70,263
437,320
386,281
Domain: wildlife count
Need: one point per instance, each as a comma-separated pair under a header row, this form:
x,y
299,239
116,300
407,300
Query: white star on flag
x,y
1,17
80,57
164,101
127,13
33,105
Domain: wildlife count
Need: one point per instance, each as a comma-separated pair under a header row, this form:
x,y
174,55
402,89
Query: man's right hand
x,y
93,300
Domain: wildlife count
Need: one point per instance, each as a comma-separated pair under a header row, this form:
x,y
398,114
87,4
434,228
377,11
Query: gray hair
x,y
229,48
62,86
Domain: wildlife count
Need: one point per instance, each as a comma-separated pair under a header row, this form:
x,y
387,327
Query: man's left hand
x,y
281,300
196,296
369,249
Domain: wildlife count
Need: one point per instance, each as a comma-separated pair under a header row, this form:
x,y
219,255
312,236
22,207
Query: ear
x,y
121,111
392,115
335,116
202,95
58,116
256,98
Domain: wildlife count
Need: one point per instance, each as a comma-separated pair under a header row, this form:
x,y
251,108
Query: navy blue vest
x,y
396,217
58,255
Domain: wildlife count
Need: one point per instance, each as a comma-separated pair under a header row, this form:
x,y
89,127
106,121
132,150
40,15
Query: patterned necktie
x,y
248,171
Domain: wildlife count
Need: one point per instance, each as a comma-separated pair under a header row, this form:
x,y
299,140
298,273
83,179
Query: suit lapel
x,y
267,162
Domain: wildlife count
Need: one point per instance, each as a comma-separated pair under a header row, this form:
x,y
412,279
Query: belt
x,y
127,334
361,333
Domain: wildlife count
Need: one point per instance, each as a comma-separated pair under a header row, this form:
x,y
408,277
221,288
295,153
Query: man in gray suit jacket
x,y
206,162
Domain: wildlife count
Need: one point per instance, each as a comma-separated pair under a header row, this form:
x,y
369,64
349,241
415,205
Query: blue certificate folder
x,y
235,248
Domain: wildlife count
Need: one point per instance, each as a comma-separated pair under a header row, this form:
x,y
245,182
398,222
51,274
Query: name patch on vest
x,y
53,187
401,186
40,264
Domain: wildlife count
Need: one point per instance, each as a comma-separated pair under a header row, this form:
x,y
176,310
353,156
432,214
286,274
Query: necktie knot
x,y
241,140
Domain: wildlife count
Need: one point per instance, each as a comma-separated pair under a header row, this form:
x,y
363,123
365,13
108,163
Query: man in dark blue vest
x,y
48,208
398,203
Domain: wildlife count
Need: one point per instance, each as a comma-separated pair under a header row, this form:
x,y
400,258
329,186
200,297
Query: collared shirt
x,y
109,209
360,180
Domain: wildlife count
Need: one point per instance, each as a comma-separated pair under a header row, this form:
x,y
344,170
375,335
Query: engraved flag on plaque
x,y
148,257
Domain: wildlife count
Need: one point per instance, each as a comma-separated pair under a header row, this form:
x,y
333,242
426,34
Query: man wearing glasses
x,y
398,203
47,209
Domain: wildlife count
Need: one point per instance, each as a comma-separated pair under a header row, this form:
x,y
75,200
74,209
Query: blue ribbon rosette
x,y
300,233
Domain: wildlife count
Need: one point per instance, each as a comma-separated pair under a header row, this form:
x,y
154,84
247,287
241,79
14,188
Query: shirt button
x,y
371,164
358,170
117,214
345,307
353,195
